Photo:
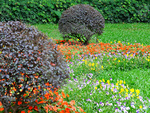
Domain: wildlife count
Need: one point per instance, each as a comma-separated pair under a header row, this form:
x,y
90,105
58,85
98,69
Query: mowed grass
x,y
90,74
128,33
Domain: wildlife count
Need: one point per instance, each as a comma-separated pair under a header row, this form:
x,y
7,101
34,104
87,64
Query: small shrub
x,y
81,21
30,65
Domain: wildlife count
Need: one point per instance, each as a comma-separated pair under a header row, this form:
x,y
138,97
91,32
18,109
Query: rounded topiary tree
x,y
81,21
29,65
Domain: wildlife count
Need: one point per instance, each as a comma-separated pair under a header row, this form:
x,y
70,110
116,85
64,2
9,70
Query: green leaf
x,y
58,13
14,9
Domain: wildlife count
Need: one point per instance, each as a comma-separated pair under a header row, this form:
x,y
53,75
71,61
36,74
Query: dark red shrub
x,y
29,64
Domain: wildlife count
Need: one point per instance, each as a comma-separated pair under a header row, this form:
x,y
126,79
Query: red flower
x,y
36,108
30,108
67,110
19,102
62,111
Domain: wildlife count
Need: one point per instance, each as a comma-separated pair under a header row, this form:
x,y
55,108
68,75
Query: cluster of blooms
x,y
44,104
112,97
132,50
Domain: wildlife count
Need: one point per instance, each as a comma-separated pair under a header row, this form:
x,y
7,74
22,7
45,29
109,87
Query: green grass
x,y
130,33
135,72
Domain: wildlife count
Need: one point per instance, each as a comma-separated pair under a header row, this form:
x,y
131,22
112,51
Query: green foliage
x,y
124,11
49,11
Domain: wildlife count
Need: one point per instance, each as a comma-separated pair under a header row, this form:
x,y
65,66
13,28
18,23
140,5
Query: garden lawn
x,y
126,33
112,75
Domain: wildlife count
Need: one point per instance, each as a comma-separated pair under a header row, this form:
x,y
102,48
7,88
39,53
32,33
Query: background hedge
x,y
49,11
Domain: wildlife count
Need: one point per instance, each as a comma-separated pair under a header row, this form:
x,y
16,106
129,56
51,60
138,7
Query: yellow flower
x,y
92,64
117,87
89,64
120,81
115,59
137,91
127,55
118,60
96,88
119,41
126,95
126,90
147,59
103,80
92,68
132,90
140,107
108,82
85,62
102,67
122,90
124,82
111,42
132,95
95,57
112,89
100,80
116,84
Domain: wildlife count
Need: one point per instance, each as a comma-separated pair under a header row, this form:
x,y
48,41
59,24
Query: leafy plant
x,y
30,66
82,22
49,11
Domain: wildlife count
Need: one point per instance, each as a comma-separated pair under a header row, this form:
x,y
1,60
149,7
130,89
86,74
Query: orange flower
x,y
67,95
46,109
36,76
63,94
23,112
64,103
47,95
55,108
81,109
29,111
1,109
47,84
0,104
72,102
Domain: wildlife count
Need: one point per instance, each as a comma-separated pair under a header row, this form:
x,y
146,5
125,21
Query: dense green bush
x,y
28,62
82,22
47,11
